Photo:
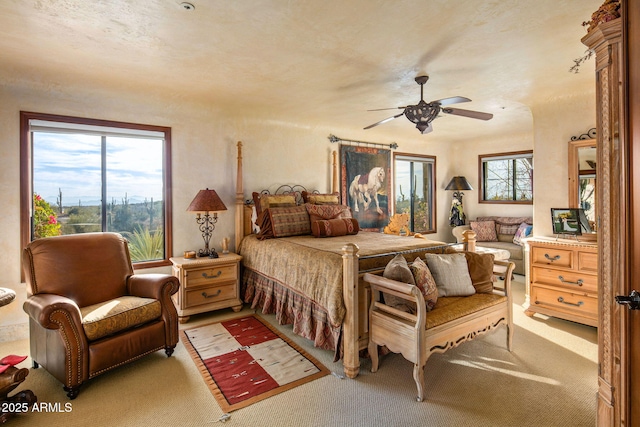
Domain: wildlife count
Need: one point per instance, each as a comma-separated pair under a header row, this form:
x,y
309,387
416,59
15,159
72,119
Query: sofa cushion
x,y
451,274
523,231
451,308
485,231
481,271
398,269
515,251
425,282
112,316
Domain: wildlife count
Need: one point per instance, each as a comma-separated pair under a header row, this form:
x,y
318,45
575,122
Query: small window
x,y
84,175
414,187
506,177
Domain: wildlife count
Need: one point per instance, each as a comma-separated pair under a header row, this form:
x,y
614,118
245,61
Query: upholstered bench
x,y
449,322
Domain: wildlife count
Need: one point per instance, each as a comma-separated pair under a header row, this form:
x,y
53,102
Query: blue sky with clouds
x,y
72,163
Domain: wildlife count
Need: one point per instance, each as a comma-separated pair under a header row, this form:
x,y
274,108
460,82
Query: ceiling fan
x,y
423,113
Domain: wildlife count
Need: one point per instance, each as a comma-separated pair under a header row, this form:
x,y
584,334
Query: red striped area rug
x,y
246,360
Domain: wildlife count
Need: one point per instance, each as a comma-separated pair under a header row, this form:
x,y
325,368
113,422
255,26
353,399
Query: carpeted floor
x,y
550,379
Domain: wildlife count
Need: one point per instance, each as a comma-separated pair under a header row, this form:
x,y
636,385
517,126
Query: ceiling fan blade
x,y
452,100
468,113
388,119
392,108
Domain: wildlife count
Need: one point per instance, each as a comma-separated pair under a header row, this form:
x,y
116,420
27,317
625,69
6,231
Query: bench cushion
x,y
451,308
110,317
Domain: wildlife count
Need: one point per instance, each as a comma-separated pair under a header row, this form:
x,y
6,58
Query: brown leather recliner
x,y
88,312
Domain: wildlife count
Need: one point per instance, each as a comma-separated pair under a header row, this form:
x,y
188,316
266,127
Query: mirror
x,y
582,181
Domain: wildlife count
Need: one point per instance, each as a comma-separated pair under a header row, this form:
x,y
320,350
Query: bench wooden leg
x,y
418,376
373,353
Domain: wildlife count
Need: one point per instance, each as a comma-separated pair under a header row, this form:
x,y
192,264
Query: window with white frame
x,y
414,186
506,177
84,175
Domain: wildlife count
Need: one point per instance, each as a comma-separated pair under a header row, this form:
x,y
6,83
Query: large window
x,y
83,175
414,190
506,177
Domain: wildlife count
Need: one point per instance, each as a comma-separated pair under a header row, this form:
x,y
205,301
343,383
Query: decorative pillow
x,y
282,222
266,201
321,199
425,282
320,212
334,227
506,228
485,231
451,274
523,231
481,271
398,269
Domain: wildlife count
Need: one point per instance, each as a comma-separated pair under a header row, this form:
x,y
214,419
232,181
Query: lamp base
x,y
211,253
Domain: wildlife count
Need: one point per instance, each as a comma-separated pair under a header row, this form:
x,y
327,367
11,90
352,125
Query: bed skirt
x,y
309,319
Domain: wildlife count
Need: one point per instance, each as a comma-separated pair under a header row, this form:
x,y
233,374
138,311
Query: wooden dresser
x,y
563,280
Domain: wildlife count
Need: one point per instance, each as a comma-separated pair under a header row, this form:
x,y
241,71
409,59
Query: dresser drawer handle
x,y
579,282
206,276
550,258
204,294
560,299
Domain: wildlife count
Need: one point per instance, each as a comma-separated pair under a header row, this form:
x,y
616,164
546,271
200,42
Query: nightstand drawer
x,y
552,257
573,281
565,302
210,275
211,294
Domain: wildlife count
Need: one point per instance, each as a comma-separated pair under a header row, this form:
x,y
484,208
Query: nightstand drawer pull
x,y
206,276
560,299
579,282
550,258
204,294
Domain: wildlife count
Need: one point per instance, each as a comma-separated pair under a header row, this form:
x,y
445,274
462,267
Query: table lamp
x,y
207,201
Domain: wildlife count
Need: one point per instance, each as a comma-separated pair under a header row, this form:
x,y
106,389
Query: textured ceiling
x,y
309,62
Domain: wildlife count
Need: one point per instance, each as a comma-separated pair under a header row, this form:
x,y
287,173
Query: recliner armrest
x,y
44,308
152,285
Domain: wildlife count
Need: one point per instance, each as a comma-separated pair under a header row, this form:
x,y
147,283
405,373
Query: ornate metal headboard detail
x,y
286,189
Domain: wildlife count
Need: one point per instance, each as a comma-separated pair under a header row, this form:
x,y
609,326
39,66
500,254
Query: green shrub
x,y
144,245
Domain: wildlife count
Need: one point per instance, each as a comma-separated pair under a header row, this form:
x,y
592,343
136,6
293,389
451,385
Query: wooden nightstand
x,y
207,284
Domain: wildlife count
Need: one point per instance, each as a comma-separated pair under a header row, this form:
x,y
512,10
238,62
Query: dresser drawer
x,y
552,256
210,294
210,275
588,261
565,302
573,281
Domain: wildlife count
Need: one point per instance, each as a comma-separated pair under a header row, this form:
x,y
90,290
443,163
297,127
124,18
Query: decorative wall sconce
x,y
207,201
457,216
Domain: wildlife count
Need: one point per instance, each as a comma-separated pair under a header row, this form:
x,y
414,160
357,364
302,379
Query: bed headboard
x,y
243,210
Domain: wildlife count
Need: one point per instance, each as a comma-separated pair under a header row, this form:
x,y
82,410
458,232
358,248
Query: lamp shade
x,y
206,201
459,183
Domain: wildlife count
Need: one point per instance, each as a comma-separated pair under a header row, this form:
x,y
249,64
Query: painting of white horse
x,y
364,189
365,184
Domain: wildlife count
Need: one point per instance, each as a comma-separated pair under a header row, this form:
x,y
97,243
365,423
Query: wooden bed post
x,y
350,327
469,239
239,200
335,185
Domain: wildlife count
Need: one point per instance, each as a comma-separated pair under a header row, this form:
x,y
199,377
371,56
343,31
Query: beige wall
x,y
555,123
275,152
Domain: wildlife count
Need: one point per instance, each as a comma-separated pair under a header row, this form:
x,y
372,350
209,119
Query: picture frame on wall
x,y
365,180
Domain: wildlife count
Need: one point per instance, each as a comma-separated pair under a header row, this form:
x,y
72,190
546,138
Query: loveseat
x,y
499,232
